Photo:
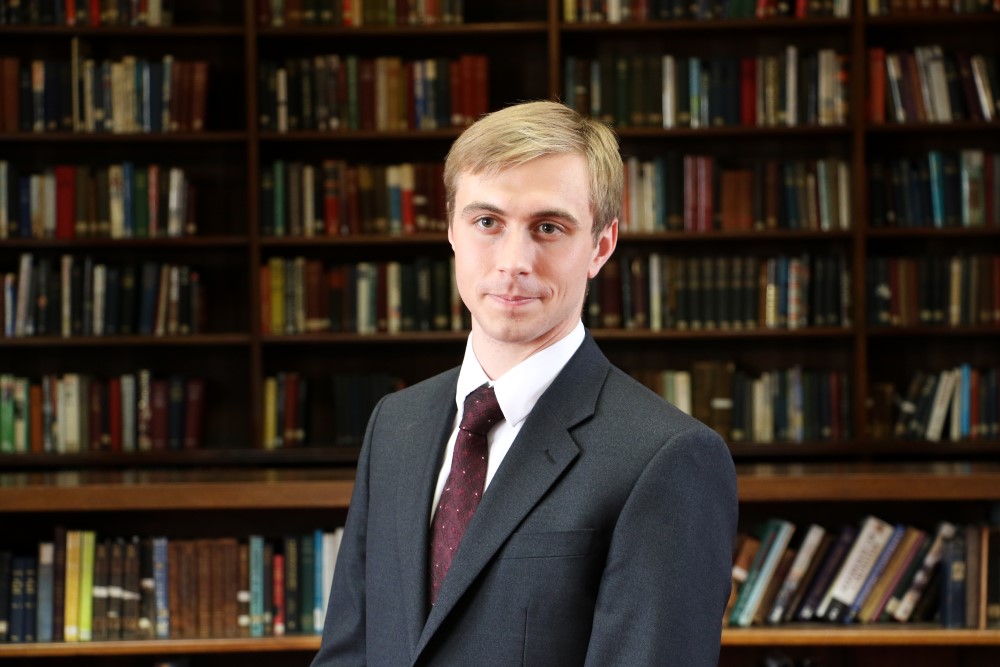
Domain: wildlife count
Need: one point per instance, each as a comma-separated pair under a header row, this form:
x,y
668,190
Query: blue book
x,y
161,582
24,201
318,591
43,606
256,586
128,194
156,96
936,165
17,601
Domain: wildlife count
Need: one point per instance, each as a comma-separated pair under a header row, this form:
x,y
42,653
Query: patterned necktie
x,y
465,483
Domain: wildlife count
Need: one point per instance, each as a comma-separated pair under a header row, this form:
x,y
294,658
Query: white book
x,y
116,188
791,85
129,407
66,296
939,84
309,222
844,195
871,540
394,290
655,293
942,402
800,564
24,276
48,204
983,90
175,202
4,203
669,86
331,547
281,81
70,405
97,314
682,391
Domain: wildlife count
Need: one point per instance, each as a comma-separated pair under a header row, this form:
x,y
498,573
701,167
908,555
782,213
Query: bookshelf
x,y
232,485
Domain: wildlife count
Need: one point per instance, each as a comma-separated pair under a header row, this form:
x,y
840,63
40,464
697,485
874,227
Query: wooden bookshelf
x,y
233,477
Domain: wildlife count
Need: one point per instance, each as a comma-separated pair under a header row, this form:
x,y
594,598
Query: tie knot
x,y
481,411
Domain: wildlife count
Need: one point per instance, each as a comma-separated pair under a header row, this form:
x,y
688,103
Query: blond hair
x,y
520,133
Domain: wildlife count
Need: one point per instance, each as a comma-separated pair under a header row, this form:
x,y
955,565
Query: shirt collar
x,y
519,388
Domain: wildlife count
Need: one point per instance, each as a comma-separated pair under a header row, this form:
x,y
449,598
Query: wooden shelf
x,y
101,491
928,482
445,134
897,233
953,127
721,25
735,132
118,32
935,331
870,635
186,242
437,30
198,340
418,238
221,137
231,457
160,647
735,236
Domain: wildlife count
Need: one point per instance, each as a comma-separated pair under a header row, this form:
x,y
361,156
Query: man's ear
x,y
606,243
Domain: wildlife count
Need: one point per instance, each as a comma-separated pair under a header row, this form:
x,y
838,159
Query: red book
x,y
278,595
366,93
35,398
690,223
199,93
159,398
481,78
10,85
331,197
194,397
748,92
876,85
70,11
94,420
353,205
291,405
95,13
65,201
265,299
703,184
457,91
835,407
115,413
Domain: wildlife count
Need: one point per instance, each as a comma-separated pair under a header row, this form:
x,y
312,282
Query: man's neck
x,y
496,358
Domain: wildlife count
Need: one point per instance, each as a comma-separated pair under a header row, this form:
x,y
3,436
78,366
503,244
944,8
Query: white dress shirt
x,y
517,392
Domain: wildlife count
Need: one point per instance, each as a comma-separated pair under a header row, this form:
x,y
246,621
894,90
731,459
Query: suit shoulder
x,y
645,409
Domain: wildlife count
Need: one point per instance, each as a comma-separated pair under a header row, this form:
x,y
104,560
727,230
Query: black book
x,y
88,296
175,413
52,109
112,301
6,564
26,96
127,300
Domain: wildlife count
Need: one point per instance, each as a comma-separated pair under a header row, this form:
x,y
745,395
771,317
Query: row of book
x,y
913,7
870,572
85,297
130,95
87,13
334,198
350,92
956,291
782,405
940,189
118,201
78,412
288,423
960,403
926,85
303,296
664,90
82,587
661,292
701,193
357,13
623,11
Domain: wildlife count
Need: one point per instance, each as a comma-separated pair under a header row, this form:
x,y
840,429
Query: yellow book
x,y
88,541
71,607
270,412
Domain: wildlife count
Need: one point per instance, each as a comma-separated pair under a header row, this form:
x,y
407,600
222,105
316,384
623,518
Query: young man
x,y
604,531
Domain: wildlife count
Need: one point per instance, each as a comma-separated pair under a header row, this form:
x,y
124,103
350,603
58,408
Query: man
x,y
594,524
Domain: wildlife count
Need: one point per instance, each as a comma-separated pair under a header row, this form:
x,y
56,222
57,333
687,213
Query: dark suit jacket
x,y
605,537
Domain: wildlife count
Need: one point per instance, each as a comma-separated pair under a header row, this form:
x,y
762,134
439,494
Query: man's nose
x,y
515,251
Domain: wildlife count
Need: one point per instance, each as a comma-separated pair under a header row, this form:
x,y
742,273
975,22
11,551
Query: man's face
x,y
524,251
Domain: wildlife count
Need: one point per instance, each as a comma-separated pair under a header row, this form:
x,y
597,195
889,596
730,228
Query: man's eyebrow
x,y
550,213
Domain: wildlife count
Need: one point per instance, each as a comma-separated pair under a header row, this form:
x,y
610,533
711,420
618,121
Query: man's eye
x,y
548,228
486,222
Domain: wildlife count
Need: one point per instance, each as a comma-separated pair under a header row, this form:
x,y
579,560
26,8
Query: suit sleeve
x,y
666,582
344,630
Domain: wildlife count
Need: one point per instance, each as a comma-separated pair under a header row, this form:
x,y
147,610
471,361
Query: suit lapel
x,y
541,453
426,428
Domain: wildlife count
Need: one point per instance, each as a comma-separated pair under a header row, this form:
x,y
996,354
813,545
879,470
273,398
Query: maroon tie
x,y
465,483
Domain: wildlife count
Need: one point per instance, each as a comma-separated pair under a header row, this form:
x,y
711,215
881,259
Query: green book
x,y
7,414
88,542
140,203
